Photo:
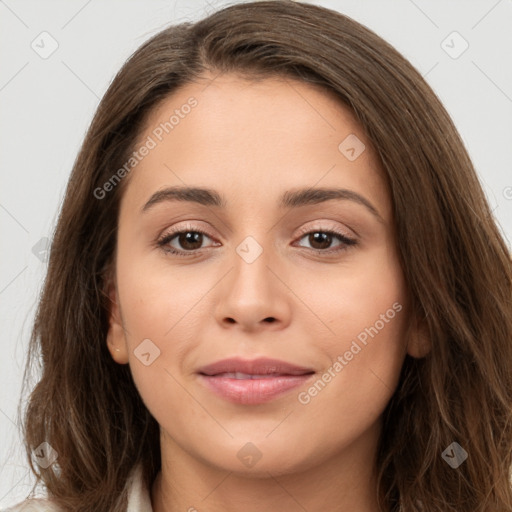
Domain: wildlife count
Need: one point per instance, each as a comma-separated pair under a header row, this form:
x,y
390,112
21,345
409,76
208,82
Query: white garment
x,y
138,498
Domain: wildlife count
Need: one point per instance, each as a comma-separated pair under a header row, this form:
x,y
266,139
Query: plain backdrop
x,y
47,102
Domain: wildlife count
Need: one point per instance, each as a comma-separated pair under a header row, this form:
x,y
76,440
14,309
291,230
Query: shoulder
x,y
33,505
139,499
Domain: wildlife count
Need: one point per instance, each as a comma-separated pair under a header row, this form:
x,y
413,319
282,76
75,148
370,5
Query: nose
x,y
253,296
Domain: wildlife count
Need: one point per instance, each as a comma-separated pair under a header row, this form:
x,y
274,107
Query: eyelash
x,y
168,237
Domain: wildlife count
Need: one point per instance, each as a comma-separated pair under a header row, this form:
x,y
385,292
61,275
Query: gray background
x,y
47,104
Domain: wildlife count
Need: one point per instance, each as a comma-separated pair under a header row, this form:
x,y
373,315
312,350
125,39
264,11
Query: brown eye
x,y
183,242
321,240
189,240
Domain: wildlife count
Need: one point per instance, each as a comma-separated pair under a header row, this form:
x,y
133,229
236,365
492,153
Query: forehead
x,y
246,136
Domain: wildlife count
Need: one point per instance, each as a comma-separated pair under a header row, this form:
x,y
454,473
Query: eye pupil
x,y
190,240
324,239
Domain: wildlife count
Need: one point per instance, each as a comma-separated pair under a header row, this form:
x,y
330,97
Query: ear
x,y
419,344
116,337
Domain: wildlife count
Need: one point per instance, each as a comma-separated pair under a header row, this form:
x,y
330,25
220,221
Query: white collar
x,y
139,499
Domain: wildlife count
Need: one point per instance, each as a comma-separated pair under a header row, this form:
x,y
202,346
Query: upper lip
x,y
260,366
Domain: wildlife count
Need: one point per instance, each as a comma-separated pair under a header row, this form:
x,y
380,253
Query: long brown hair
x,y
455,262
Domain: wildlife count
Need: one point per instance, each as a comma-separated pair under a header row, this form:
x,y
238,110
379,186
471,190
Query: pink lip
x,y
275,378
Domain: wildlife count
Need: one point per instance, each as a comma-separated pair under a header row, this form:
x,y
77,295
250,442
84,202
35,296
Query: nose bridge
x,y
252,294
251,273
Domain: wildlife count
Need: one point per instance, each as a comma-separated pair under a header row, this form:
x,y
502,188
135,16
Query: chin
x,y
259,459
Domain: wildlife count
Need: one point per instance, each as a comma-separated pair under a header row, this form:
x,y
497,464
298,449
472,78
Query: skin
x,y
251,141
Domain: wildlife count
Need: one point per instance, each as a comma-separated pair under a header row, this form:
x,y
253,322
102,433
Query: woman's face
x,y
297,263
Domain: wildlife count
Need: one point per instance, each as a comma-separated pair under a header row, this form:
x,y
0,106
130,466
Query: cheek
x,y
152,304
156,296
354,389
166,305
363,349
353,298
160,334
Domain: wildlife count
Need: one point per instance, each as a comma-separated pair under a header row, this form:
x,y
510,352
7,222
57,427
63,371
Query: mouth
x,y
252,382
244,376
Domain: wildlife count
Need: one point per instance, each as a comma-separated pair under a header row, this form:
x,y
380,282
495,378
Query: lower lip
x,y
253,391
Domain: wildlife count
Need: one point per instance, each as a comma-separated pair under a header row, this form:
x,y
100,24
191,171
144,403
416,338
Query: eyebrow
x,y
289,199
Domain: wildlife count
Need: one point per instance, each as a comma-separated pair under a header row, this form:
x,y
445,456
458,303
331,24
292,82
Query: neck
x,y
341,481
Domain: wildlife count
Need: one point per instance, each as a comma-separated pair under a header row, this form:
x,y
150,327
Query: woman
x,y
275,284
